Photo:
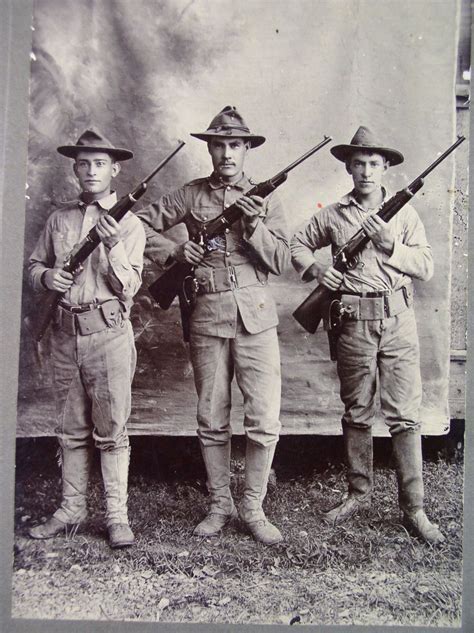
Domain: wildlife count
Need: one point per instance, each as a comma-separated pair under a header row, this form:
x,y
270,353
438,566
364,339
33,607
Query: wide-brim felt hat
x,y
94,141
229,123
365,139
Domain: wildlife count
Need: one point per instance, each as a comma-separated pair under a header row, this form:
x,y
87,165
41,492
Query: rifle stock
x,y
169,284
311,311
313,308
37,324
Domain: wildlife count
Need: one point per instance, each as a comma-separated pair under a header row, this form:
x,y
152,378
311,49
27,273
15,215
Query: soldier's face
x,y
95,171
367,171
228,156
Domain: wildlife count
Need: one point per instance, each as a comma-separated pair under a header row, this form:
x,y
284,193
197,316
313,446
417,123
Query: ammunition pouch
x,y
376,305
230,278
364,307
88,318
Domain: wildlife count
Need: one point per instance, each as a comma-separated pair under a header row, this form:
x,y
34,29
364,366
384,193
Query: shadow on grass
x,y
179,458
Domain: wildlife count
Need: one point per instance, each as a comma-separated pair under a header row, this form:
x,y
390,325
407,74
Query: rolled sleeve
x,y
308,240
41,259
126,260
269,240
157,218
412,255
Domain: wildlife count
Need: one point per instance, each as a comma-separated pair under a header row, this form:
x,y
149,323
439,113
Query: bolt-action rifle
x,y
38,322
173,282
316,305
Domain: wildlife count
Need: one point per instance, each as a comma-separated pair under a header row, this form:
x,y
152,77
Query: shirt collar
x,y
216,183
350,198
105,203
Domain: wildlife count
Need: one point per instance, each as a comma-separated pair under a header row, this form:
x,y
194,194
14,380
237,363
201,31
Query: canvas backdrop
x,y
149,72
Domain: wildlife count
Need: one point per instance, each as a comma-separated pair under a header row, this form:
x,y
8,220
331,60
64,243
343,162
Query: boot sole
x,y
415,532
231,517
67,530
121,544
267,543
349,515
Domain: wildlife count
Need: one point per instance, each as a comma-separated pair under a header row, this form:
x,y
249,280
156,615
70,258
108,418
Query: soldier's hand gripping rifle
x,y
38,323
170,284
316,305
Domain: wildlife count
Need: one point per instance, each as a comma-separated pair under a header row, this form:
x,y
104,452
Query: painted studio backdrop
x,y
149,72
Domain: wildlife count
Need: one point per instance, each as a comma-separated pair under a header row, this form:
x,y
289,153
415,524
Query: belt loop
x,y
59,318
212,281
234,283
405,295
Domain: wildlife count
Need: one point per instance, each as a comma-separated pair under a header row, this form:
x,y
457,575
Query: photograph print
x,y
241,389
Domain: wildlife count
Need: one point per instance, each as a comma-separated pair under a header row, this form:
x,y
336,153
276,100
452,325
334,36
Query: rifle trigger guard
x,y
351,263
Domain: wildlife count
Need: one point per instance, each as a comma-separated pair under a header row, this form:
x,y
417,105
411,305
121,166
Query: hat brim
x,y
344,152
253,139
71,151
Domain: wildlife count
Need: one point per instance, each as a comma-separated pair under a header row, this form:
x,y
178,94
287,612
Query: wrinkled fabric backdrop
x,y
149,72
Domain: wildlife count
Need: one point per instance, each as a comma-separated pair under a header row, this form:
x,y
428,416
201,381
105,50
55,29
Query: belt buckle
x,y
78,309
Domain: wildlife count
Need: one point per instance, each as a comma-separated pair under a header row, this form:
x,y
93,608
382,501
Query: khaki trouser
x,y
255,361
92,380
387,350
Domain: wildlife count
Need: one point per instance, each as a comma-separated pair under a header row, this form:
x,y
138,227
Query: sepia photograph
x,y
241,315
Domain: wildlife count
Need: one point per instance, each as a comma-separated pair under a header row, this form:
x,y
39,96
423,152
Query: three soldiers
x,y
233,325
92,343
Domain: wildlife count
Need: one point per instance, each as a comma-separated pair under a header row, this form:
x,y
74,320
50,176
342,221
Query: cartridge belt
x,y
377,305
230,278
88,318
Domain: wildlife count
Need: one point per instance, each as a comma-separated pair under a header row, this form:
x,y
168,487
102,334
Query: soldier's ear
x,y
74,168
116,167
348,166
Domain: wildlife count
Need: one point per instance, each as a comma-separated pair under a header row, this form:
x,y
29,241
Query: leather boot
x,y
114,465
258,462
359,457
75,467
409,468
222,509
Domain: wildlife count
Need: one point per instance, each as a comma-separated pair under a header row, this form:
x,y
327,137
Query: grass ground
x,y
367,571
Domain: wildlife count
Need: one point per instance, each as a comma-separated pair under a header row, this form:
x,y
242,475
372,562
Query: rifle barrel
x,y
439,160
164,161
327,139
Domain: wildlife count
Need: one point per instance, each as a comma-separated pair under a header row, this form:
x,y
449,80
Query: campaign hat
x,y
229,123
365,139
94,141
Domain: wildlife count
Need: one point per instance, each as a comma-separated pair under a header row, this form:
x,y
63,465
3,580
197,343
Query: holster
x,y
338,312
187,301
